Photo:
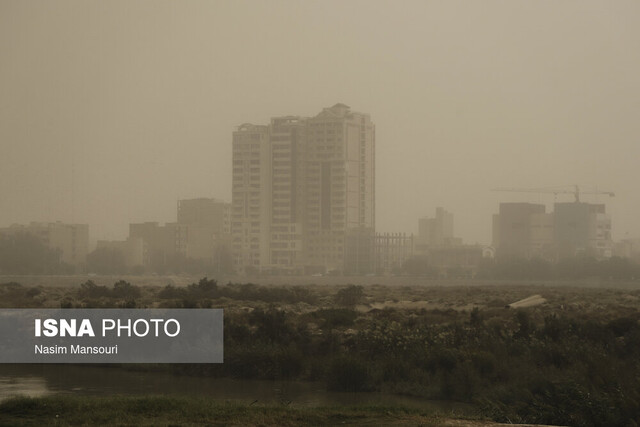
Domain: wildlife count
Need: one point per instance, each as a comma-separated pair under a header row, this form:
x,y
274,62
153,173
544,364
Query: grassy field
x,y
165,411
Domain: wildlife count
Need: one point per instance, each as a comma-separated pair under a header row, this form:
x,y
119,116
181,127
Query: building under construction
x,y
526,230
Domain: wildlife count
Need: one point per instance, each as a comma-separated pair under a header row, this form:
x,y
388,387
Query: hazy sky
x,y
110,111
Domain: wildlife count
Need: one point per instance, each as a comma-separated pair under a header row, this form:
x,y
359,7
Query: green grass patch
x,y
163,410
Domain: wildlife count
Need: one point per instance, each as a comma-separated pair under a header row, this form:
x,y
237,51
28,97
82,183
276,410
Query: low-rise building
x,y
392,250
72,240
457,261
133,250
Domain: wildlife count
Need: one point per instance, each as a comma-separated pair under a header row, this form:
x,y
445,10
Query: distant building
x,y
525,230
201,234
512,236
436,231
392,250
133,250
303,193
72,240
583,228
359,251
457,261
541,241
251,197
628,248
206,212
206,226
161,242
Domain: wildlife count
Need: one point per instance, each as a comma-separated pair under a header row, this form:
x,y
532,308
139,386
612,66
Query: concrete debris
x,y
531,301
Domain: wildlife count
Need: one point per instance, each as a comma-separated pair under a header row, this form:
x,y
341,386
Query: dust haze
x,y
111,112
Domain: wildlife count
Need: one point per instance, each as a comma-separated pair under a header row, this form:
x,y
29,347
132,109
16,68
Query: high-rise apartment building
x,y
302,189
286,207
251,197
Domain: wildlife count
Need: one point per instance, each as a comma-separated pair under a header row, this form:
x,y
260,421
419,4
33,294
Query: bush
x,y
13,295
336,317
89,289
206,288
171,292
348,374
122,289
349,296
272,325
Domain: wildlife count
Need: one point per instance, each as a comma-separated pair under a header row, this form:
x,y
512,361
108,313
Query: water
x,y
41,380
25,386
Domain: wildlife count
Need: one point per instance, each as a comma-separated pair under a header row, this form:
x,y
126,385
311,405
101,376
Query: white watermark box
x,y
111,335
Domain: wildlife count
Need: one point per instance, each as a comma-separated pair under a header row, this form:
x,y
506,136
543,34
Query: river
x,y
42,380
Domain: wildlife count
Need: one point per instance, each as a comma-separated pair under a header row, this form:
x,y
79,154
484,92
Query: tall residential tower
x,y
303,193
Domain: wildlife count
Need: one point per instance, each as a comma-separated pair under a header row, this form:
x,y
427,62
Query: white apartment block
x,y
301,186
251,197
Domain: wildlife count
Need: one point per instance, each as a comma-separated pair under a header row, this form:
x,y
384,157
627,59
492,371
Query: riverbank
x,y
33,380
162,410
572,360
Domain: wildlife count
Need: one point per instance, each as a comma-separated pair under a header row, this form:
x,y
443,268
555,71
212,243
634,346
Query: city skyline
x,y
101,129
414,212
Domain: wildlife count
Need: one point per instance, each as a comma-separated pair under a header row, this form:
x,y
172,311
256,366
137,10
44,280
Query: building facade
x,y
582,229
200,234
300,186
437,231
71,240
206,212
251,197
206,224
161,242
512,229
526,230
133,250
392,250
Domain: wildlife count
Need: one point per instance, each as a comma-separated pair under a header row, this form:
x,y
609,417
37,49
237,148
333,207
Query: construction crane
x,y
555,191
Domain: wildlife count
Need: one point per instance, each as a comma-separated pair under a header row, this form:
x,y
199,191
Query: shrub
x,y
349,296
336,317
171,292
89,289
122,289
348,374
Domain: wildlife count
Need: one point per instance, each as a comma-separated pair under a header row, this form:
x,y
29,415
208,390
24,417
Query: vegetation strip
x,y
161,410
572,360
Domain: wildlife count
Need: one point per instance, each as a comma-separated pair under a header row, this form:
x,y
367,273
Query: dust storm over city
x,y
112,112
382,213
